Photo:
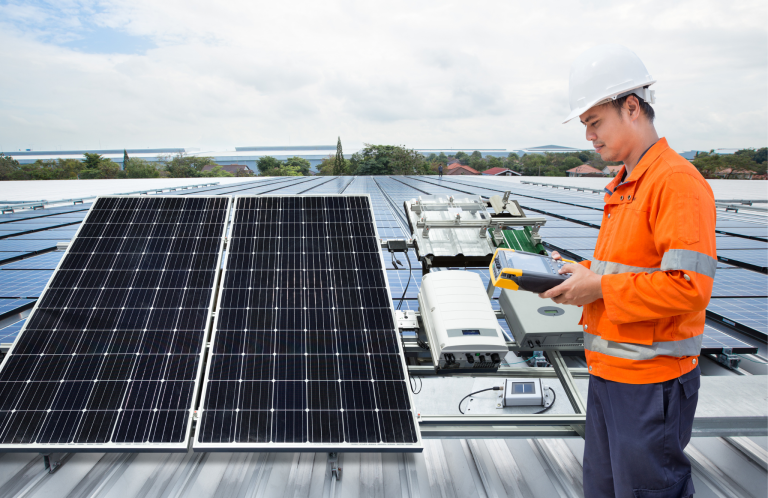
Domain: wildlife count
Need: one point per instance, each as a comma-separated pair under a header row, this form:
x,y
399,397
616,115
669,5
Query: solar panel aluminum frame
x,y
416,447
181,447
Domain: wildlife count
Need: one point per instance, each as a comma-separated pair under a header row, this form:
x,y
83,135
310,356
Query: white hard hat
x,y
604,73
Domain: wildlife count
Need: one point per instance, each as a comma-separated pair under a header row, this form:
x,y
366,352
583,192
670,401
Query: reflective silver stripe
x,y
684,259
685,347
611,268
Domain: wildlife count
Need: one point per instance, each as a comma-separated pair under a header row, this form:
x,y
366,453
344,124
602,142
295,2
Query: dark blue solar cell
x,y
304,322
113,339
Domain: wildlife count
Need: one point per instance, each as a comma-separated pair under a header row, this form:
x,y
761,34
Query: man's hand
x,y
583,286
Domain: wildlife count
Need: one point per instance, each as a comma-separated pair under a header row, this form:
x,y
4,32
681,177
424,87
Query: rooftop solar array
x,y
570,215
110,356
304,353
23,284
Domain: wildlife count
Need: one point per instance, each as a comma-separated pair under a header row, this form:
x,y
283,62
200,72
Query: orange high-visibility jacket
x,y
657,257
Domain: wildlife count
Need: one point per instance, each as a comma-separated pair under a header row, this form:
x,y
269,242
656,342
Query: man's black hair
x,y
645,107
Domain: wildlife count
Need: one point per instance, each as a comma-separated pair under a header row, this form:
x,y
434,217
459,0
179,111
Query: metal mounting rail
x,y
567,187
735,207
11,206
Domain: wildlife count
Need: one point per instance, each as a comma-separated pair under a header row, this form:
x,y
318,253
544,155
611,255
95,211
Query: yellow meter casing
x,y
518,270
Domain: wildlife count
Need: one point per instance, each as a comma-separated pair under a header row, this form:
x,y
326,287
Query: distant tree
x,y
10,169
442,158
757,155
267,163
572,162
463,158
183,166
326,166
140,168
216,172
709,164
476,154
478,163
125,158
283,170
388,160
494,162
761,155
340,164
98,167
244,172
583,156
300,163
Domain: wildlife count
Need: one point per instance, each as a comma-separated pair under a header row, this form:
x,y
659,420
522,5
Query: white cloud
x,y
426,74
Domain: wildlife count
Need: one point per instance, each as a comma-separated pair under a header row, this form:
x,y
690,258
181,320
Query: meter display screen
x,y
523,388
525,262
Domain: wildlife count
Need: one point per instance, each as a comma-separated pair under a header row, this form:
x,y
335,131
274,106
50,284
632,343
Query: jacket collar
x,y
646,160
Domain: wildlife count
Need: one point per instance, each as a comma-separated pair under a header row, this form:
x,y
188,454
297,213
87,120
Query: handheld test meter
x,y
515,270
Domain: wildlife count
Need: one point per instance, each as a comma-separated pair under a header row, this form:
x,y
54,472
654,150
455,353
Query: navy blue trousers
x,y
635,436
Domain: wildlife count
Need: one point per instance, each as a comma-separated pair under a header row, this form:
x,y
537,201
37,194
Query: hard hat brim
x,y
604,100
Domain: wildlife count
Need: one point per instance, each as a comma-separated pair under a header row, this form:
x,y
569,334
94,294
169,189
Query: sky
x,y
431,74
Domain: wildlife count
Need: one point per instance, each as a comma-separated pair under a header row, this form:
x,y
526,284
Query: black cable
x,y
554,397
411,382
494,388
410,274
422,344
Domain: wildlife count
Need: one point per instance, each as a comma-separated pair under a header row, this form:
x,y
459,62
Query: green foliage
x,y
216,172
183,166
140,168
299,163
282,170
267,163
710,163
477,163
495,162
388,160
244,173
572,162
442,159
759,156
463,158
339,164
98,168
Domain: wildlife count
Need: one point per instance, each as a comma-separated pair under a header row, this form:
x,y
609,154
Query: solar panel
x,y
304,353
715,340
753,257
8,334
110,356
47,261
12,256
23,284
727,242
11,306
737,282
747,312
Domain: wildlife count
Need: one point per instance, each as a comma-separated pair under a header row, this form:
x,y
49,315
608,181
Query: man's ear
x,y
632,106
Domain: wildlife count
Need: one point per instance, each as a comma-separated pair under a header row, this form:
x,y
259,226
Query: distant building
x,y
500,172
247,156
553,149
453,161
229,168
584,170
612,170
460,169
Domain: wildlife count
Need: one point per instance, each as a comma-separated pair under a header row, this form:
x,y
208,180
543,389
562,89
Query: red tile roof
x,y
460,169
585,169
496,171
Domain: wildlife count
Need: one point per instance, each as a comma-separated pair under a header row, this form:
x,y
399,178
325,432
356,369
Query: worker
x,y
645,291
440,171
